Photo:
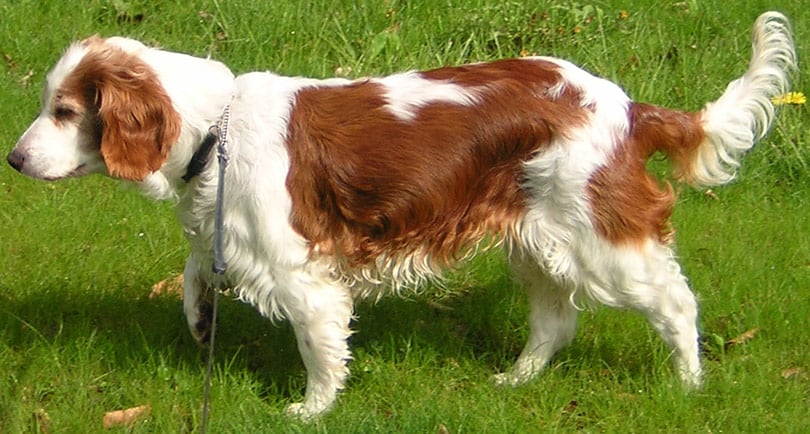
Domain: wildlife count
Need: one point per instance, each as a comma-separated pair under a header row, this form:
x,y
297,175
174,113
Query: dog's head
x,y
104,110
116,107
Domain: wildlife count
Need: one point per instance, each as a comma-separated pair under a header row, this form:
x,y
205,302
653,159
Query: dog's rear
x,y
629,263
704,148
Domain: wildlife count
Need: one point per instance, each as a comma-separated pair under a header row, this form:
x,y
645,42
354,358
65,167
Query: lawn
x,y
80,334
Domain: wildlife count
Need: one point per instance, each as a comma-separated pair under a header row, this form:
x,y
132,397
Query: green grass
x,y
79,336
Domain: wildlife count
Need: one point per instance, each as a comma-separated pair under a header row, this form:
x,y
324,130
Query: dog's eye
x,y
63,113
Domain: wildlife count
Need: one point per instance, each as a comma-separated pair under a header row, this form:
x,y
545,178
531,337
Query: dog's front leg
x,y
197,302
320,311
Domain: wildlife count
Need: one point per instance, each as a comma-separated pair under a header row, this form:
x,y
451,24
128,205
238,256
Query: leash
x,y
220,132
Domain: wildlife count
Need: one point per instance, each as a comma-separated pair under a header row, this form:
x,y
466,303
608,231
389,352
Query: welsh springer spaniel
x,y
340,189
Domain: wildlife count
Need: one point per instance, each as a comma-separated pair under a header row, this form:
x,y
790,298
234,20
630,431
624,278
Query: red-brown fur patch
x,y
364,182
628,204
138,122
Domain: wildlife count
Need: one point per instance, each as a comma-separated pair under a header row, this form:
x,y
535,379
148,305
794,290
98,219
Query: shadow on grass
x,y
482,326
128,327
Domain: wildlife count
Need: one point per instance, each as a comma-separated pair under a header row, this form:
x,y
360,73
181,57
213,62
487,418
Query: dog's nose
x,y
16,158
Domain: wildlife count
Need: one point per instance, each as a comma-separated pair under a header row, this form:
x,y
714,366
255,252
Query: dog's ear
x,y
138,122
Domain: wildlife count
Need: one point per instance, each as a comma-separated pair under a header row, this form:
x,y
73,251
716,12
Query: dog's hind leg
x,y
660,291
648,279
552,322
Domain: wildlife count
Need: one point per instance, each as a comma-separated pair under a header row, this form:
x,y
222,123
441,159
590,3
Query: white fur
x,y
744,112
408,91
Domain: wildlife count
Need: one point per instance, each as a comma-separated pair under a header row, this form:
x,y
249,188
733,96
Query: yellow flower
x,y
623,15
790,98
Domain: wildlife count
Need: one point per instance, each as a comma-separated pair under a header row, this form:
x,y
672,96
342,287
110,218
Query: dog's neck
x,y
199,89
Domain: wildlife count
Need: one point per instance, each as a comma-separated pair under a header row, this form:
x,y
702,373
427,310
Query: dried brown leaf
x,y
570,408
9,60
743,338
170,285
796,372
126,417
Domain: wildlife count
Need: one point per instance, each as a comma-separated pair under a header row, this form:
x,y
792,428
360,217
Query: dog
x,y
342,189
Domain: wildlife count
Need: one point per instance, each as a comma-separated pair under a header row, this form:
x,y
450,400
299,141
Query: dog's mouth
x,y
80,170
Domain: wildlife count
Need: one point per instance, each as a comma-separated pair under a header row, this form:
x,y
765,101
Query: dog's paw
x,y
300,411
509,379
691,379
504,379
201,329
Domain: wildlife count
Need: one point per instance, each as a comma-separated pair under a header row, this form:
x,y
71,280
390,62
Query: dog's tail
x,y
705,147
